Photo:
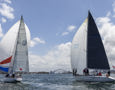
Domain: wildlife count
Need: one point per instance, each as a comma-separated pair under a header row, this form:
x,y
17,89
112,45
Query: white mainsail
x,y
9,42
78,49
21,51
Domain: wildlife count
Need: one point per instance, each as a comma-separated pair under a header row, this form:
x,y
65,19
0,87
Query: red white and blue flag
x,y
5,63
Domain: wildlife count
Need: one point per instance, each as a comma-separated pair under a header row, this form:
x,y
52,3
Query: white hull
x,y
12,80
95,79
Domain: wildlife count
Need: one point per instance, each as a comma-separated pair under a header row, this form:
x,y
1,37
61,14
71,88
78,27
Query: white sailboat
x,y
14,52
87,52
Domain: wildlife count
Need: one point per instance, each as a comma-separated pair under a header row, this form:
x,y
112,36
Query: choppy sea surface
x,y
53,82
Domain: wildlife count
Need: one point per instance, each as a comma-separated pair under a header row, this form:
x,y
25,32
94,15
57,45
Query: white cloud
x,y
71,28
113,5
107,31
32,43
65,33
57,58
1,34
108,14
6,11
3,20
36,41
39,40
8,1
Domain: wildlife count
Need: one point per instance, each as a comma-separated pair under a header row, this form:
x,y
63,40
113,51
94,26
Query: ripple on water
x,y
54,82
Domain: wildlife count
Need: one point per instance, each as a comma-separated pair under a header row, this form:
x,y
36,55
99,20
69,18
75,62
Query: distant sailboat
x,y
88,53
14,51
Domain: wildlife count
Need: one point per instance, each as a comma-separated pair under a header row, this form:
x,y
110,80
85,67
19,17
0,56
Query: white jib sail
x,y
78,49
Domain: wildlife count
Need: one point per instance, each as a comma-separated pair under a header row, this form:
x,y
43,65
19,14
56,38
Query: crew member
x,y
108,74
86,71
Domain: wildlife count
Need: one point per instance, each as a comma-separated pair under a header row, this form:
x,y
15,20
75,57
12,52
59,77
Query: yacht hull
x,y
12,80
95,79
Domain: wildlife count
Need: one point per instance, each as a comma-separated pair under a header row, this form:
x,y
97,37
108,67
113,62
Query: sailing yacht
x,y
14,52
88,53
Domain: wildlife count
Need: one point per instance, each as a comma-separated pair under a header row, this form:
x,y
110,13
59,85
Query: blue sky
x,y
52,24
48,19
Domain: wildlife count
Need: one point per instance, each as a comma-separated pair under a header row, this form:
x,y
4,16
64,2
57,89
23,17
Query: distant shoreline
x,y
39,72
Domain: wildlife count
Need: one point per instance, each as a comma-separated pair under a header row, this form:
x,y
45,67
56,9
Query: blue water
x,y
53,82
